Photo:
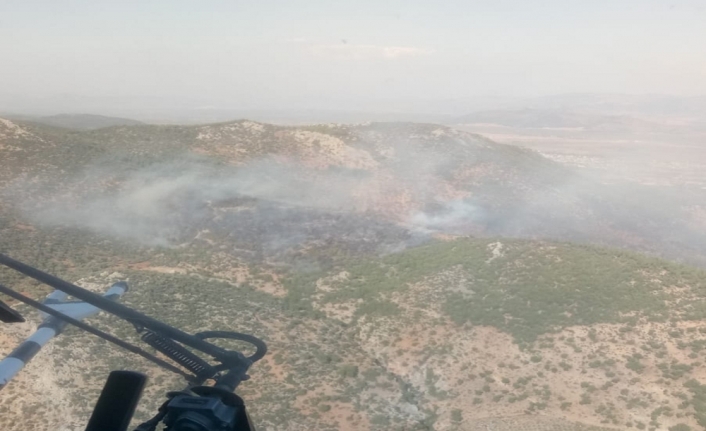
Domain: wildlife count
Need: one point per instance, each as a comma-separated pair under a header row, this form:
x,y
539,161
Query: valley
x,y
657,150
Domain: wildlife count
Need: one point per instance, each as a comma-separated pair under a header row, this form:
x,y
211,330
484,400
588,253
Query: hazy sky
x,y
281,53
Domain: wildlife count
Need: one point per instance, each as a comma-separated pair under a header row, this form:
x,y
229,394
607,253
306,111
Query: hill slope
x,y
448,336
374,261
426,178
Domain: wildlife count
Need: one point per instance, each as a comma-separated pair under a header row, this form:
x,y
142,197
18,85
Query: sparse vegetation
x,y
359,329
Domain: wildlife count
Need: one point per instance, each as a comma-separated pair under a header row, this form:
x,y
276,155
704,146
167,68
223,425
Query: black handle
x,y
117,401
260,346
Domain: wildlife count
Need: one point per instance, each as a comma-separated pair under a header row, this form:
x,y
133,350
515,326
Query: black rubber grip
x,y
117,401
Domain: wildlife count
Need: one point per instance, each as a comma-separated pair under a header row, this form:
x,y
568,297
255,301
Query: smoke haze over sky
x,y
322,54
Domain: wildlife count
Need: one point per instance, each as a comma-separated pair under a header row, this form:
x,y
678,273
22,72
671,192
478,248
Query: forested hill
x,y
405,276
426,178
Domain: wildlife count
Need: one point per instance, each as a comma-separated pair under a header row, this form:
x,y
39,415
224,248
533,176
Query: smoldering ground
x,y
273,204
267,206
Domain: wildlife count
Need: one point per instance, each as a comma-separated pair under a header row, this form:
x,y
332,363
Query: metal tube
x,y
117,309
51,327
23,353
91,330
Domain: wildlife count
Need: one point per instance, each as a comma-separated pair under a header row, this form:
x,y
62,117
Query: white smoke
x,y
154,205
455,215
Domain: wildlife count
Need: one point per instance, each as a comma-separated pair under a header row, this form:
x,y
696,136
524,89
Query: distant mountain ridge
x,y
83,121
560,119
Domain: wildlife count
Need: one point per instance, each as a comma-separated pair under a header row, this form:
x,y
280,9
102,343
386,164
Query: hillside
x,y
406,276
451,335
425,178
